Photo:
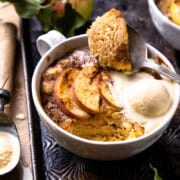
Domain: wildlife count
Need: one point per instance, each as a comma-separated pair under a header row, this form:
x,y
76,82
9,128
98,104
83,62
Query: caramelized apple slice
x,y
105,92
63,96
85,90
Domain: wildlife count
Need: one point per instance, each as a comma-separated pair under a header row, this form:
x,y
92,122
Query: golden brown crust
x,y
108,40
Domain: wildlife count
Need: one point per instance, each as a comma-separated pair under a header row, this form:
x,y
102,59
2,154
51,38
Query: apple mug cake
x,y
88,93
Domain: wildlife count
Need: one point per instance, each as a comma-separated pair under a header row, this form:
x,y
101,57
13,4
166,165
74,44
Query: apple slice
x,y
105,92
85,90
63,96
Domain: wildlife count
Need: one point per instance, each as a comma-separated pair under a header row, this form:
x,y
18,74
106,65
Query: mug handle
x,y
48,40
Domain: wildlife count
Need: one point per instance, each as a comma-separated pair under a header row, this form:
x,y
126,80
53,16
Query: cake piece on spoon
x,y
108,41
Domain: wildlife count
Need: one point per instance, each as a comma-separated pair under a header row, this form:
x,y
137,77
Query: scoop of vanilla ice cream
x,y
149,97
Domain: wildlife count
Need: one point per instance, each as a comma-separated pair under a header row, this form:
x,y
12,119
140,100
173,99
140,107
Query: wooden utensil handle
x,y
8,34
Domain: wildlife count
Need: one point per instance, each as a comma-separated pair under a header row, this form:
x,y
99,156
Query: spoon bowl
x,y
9,137
7,125
9,133
139,59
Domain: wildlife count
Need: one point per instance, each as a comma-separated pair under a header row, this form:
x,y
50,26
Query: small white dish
x,y
9,152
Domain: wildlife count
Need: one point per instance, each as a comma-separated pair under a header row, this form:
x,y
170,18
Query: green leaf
x,y
56,14
45,17
156,174
66,24
27,8
83,7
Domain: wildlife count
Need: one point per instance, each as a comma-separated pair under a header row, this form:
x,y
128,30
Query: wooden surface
x,y
17,107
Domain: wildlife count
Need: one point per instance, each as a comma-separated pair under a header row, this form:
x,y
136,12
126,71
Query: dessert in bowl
x,y
165,15
95,110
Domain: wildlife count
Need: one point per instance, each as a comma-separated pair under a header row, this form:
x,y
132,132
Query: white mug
x,y
83,147
49,40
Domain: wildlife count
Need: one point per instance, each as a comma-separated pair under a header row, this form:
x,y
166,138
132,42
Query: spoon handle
x,y
8,33
160,69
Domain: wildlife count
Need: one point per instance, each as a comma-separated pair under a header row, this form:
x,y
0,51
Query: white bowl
x,y
168,30
89,148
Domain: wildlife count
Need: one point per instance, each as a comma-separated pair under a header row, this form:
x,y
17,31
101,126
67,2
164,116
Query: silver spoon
x,y
138,55
8,34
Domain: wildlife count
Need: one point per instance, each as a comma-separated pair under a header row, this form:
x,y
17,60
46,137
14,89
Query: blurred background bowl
x,y
168,29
